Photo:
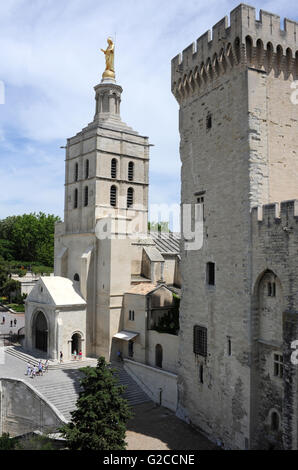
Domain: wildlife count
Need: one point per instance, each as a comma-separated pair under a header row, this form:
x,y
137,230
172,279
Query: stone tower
x,y
238,128
106,198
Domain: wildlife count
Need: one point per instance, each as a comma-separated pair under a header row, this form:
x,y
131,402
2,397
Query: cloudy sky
x,y
50,60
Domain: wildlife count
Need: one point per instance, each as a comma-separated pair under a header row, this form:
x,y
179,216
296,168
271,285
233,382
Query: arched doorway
x,y
41,332
76,343
158,355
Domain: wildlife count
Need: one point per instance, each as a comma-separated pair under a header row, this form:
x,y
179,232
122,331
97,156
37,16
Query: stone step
x,y
24,356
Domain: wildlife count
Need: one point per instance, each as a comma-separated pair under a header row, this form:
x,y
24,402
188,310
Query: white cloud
x,y
50,60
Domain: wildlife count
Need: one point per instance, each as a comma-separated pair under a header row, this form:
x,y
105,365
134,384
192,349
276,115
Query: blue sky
x,y
50,61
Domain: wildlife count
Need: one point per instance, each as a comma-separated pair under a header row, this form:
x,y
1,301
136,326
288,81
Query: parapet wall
x,y
260,43
285,214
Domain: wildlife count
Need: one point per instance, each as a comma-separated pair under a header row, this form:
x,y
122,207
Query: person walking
x,y
28,369
40,368
61,356
46,366
80,354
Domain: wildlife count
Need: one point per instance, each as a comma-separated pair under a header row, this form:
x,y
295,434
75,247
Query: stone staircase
x,y
63,395
62,390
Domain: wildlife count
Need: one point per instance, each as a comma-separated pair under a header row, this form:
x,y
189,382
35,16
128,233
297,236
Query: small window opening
x,y
229,347
274,421
209,121
114,168
75,204
278,364
86,196
201,373
129,197
210,274
130,171
76,175
113,196
87,169
271,289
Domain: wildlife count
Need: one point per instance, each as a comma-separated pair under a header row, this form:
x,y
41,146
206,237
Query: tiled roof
x,y
142,288
166,242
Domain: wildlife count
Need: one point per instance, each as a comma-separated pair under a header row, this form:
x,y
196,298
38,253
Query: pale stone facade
x,y
238,128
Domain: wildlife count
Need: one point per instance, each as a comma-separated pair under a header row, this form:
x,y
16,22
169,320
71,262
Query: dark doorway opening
x,y
41,332
158,355
76,343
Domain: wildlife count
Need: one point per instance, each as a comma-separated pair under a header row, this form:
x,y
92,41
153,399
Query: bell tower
x,y
106,179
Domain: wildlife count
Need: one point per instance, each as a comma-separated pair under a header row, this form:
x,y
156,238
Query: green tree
x,y
28,237
3,272
11,289
6,443
99,422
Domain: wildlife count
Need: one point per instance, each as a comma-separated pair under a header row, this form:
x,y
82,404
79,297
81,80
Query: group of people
x,y
33,371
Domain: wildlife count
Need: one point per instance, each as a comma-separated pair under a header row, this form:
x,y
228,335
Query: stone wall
x,y
23,409
160,386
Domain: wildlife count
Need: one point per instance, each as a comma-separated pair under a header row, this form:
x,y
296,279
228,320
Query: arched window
x,y
113,196
86,196
158,355
114,168
87,169
76,172
76,277
129,197
75,202
130,171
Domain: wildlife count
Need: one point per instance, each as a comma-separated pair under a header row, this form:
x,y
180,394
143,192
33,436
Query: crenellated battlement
x,y
247,41
285,213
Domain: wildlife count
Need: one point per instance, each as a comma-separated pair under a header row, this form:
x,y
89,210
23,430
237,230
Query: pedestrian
x,y
33,373
75,354
3,319
80,354
61,356
46,366
40,368
15,322
28,369
120,358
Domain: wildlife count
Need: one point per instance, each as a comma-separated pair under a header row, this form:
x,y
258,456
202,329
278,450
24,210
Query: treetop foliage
x,y
28,237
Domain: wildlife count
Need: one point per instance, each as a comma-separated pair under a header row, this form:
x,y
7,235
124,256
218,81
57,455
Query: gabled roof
x,y
166,242
60,291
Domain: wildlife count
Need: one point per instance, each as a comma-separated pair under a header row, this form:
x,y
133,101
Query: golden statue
x,y
109,55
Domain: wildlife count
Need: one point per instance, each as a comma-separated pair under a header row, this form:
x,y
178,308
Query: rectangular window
x,y
229,346
201,373
271,289
278,364
200,200
200,340
210,274
209,121
131,315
